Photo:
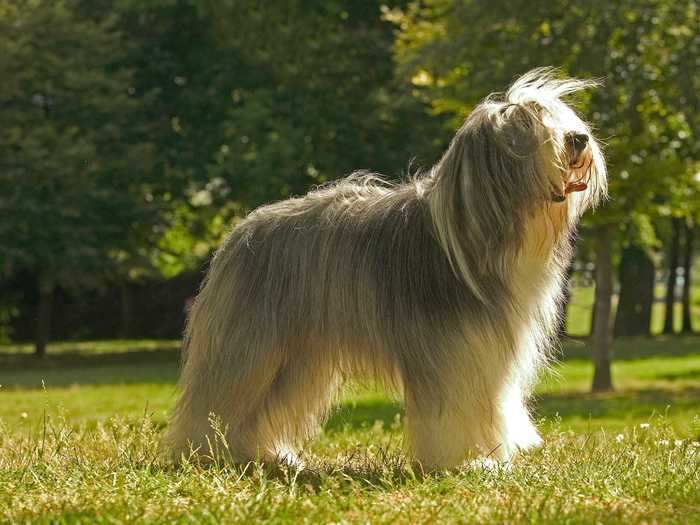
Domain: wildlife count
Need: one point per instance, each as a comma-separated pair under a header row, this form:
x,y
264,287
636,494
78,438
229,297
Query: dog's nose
x,y
580,140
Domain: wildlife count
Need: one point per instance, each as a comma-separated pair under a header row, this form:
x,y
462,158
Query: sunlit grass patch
x,y
91,348
80,443
113,472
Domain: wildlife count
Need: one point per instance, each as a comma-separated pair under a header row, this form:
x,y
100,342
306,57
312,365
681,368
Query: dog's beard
x,y
574,178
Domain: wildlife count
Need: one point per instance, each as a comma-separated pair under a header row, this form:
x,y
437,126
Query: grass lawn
x,y
79,444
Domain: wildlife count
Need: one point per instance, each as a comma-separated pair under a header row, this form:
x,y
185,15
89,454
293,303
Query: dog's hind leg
x,y
266,394
218,387
294,408
265,413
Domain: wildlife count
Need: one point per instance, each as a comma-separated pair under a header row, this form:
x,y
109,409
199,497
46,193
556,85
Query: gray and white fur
x,y
445,287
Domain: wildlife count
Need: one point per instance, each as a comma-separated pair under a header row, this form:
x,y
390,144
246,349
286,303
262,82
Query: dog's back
x,y
319,261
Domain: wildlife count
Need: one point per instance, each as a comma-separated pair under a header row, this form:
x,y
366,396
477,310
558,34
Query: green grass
x,y
79,437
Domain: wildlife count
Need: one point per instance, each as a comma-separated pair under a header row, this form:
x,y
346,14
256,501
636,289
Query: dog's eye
x,y
577,141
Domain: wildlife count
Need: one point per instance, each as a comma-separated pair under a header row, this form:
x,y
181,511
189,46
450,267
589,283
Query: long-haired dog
x,y
446,287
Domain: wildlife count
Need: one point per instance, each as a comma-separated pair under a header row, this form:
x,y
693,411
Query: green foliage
x,y
71,168
644,52
244,117
312,98
136,133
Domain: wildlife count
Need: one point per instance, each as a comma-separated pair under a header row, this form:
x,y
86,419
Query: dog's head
x,y
531,148
570,159
524,150
517,155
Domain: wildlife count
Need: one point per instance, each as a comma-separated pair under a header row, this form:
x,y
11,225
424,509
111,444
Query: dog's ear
x,y
490,167
539,154
520,127
482,189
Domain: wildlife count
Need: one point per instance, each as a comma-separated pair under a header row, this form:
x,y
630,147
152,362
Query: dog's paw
x,y
488,465
529,440
286,456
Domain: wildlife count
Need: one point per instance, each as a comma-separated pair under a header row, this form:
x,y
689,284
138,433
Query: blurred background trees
x,y
645,53
73,152
135,133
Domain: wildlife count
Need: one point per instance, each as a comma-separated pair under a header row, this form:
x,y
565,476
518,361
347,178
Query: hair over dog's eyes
x,y
506,107
579,140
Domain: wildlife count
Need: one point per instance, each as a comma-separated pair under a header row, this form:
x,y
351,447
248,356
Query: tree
x,y
672,264
233,119
303,111
688,252
637,279
458,52
71,169
601,334
245,117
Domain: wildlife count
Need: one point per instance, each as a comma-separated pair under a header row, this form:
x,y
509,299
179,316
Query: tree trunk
x,y
687,326
565,300
126,310
43,321
672,275
602,335
636,275
593,317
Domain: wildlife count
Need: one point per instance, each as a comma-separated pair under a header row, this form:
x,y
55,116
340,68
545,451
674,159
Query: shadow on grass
x,y
70,359
131,364
385,467
617,405
363,414
23,371
621,406
626,348
684,375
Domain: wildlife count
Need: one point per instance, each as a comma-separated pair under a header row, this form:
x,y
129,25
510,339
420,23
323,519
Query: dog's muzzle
x,y
578,143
